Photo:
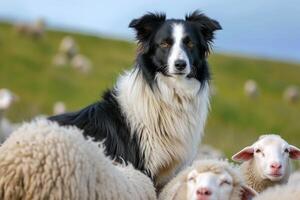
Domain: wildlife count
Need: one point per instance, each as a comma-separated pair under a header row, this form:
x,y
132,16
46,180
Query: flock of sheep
x,y
68,52
42,160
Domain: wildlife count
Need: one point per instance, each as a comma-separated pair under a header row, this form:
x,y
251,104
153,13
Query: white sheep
x,y
291,94
295,178
81,63
281,192
59,108
42,160
208,179
68,47
267,162
206,151
6,100
251,89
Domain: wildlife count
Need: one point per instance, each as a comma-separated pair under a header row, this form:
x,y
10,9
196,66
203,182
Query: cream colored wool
x,y
42,160
254,180
281,192
176,188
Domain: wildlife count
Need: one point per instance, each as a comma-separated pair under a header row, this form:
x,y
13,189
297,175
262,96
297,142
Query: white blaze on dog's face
x,y
271,155
178,61
209,186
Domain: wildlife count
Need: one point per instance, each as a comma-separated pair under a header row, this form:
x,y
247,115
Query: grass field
x,y
235,121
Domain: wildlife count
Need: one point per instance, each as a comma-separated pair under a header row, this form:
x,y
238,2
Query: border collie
x,y
155,115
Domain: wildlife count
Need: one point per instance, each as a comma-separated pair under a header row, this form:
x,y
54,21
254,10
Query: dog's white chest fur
x,y
169,119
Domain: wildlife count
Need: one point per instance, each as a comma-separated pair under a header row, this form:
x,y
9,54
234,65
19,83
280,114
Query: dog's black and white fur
x,y
155,115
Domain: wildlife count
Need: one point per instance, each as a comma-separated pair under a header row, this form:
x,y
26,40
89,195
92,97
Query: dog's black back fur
x,y
103,121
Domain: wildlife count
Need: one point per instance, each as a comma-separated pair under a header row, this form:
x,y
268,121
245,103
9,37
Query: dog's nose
x,y
180,64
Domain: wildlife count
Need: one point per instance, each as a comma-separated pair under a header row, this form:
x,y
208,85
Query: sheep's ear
x,y
244,155
294,152
206,25
247,193
145,25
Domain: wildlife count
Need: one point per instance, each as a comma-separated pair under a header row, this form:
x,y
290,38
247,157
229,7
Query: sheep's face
x,y
209,186
271,156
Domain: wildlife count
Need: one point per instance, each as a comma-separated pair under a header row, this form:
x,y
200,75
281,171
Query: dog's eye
x,y
164,44
190,44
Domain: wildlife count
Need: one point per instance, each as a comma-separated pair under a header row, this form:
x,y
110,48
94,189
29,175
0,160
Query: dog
x,y
154,116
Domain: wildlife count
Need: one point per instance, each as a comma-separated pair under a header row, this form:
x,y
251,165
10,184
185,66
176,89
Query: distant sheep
x,y
42,160
208,179
6,100
81,63
35,30
59,108
267,162
291,94
251,89
68,47
281,192
206,151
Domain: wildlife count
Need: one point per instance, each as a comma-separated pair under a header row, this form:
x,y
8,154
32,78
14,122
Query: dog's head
x,y
173,47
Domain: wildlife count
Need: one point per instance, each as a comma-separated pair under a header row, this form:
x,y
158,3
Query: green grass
x,y
234,122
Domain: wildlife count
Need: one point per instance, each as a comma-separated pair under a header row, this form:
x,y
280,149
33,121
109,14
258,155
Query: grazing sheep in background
x,y
206,151
6,100
37,30
81,63
59,108
295,178
42,160
251,89
22,28
60,60
68,47
205,180
281,192
267,161
291,94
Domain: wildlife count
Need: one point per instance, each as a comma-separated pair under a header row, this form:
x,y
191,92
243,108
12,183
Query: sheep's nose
x,y
204,191
276,166
180,64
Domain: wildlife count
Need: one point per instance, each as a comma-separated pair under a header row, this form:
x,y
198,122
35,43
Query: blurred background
x,y
58,56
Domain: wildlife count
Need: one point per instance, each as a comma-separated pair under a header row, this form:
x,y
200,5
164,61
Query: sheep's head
x,y
6,99
270,155
219,182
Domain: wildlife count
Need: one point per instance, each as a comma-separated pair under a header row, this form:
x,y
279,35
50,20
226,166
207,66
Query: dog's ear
x,y
206,25
145,25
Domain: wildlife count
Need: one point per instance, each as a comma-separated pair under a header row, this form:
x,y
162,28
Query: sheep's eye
x,y
286,150
192,179
165,44
190,44
258,151
225,182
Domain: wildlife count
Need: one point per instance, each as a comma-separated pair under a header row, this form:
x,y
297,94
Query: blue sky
x,y
266,28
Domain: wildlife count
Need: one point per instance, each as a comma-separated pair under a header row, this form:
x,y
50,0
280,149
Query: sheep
x,y
208,179
6,100
266,162
42,160
291,94
251,89
68,47
81,63
294,178
59,108
281,192
206,151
